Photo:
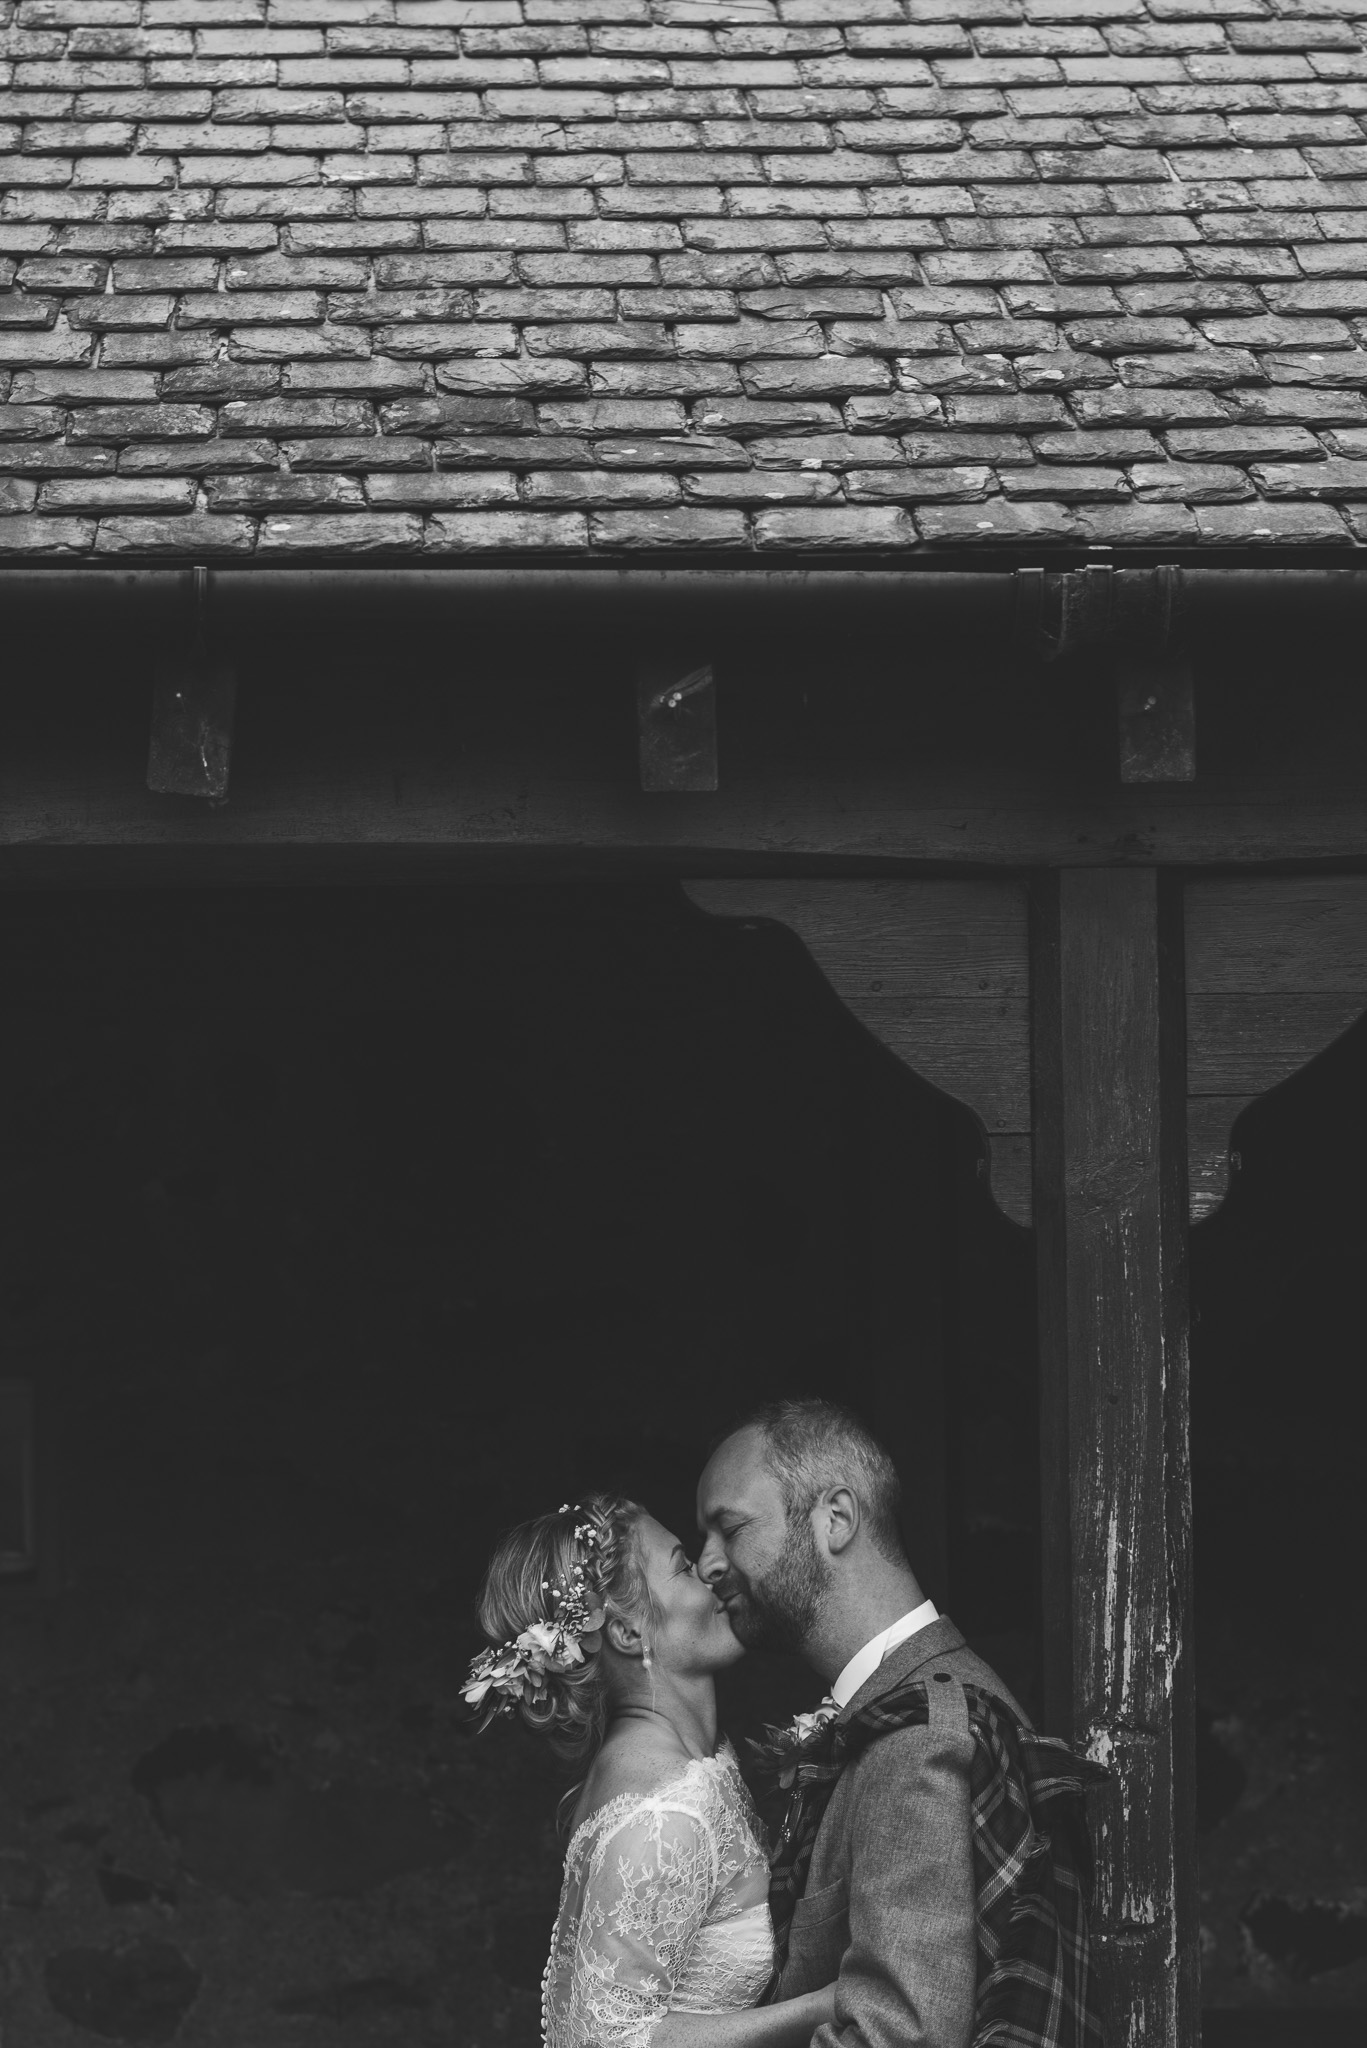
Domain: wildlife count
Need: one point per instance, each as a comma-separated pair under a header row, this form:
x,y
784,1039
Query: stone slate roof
x,y
433,276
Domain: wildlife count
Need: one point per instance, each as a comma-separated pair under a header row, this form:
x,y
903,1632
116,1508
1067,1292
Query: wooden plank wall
x,y
1276,971
939,973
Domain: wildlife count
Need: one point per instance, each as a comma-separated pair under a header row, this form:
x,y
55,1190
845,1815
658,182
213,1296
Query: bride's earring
x,y
646,1659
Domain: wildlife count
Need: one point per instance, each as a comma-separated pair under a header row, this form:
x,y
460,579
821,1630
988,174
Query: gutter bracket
x,y
676,724
1058,611
194,698
1132,621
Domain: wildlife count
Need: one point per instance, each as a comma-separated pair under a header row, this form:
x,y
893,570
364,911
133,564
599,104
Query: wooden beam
x,y
194,698
1111,1211
676,720
1134,622
1211,1161
1154,681
1276,970
937,972
1286,935
357,757
190,747
1156,711
1246,1043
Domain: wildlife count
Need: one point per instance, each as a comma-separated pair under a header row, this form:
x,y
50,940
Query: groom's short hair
x,y
811,1444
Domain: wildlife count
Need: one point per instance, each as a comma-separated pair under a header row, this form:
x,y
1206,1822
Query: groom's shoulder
x,y
939,1654
970,1669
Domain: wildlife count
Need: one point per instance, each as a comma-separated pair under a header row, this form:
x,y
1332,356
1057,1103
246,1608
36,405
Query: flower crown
x,y
517,1672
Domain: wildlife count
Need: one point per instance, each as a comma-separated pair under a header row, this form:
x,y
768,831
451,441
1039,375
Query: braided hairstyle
x,y
529,1562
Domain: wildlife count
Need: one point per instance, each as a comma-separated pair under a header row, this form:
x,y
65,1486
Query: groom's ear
x,y
840,1507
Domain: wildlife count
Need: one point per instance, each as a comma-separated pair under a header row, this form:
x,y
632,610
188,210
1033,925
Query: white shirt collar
x,y
865,1662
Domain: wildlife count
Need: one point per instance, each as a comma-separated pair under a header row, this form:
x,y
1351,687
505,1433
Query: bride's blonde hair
x,y
529,1563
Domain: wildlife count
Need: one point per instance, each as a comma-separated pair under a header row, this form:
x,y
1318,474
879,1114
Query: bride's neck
x,y
686,1709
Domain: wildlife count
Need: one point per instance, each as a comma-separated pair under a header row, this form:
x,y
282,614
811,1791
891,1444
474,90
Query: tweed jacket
x,y
889,1908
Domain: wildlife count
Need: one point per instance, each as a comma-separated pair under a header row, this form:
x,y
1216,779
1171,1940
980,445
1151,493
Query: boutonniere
x,y
781,1750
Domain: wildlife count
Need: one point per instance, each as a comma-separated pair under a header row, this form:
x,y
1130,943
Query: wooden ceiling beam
x,y
194,698
676,722
1130,622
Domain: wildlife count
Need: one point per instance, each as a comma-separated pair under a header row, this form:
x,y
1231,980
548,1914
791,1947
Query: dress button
x,y
942,1678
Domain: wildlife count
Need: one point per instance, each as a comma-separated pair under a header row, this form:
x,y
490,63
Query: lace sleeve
x,y
647,1893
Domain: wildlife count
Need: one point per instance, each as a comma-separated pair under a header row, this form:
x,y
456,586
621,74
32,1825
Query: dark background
x,y
1279,1458
342,1228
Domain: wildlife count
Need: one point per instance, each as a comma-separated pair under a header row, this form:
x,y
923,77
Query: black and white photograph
x,y
683,1023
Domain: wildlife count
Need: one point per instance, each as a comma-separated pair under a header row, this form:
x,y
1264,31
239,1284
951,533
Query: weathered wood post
x,y
1111,1213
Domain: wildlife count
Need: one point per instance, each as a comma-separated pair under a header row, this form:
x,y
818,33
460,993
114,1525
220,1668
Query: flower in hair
x,y
519,1671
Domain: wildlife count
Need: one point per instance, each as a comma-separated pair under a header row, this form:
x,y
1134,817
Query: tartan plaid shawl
x,y
1032,1863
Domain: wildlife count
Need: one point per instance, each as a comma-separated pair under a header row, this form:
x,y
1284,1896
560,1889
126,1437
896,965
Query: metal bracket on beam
x,y
1133,616
194,696
1058,612
676,724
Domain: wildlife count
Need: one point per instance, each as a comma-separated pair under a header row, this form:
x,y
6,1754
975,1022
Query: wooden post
x,y
1110,1204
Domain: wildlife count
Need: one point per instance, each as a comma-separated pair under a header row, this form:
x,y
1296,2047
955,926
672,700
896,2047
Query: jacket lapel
x,y
925,1647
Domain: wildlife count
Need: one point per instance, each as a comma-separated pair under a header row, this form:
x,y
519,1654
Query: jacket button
x,y
942,1678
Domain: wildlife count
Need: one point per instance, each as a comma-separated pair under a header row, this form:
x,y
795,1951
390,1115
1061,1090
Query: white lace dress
x,y
664,1908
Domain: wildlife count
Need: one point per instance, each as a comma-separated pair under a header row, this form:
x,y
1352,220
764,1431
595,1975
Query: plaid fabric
x,y
1032,1863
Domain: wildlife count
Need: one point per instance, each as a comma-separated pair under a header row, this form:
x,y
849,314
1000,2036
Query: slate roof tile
x,y
339,276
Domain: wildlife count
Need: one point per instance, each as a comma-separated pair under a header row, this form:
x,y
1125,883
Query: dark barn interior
x,y
344,1224
341,1229
1279,1449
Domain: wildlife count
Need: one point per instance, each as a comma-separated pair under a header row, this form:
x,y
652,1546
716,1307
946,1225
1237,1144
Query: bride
x,y
607,1642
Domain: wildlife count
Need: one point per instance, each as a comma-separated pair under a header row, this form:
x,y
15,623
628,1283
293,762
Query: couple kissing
x,y
928,1883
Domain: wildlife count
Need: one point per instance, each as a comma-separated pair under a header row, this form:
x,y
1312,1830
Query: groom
x,y
798,1508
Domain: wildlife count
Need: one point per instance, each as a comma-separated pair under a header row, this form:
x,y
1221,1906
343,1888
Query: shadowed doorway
x,y
1278,1454
341,1229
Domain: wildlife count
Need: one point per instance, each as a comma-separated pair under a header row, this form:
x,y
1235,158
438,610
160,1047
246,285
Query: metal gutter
x,y
482,580
590,577
987,594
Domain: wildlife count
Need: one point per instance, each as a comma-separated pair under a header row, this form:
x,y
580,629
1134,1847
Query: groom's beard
x,y
779,1611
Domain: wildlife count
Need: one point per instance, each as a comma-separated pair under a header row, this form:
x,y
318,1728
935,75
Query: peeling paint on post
x,y
1111,1206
